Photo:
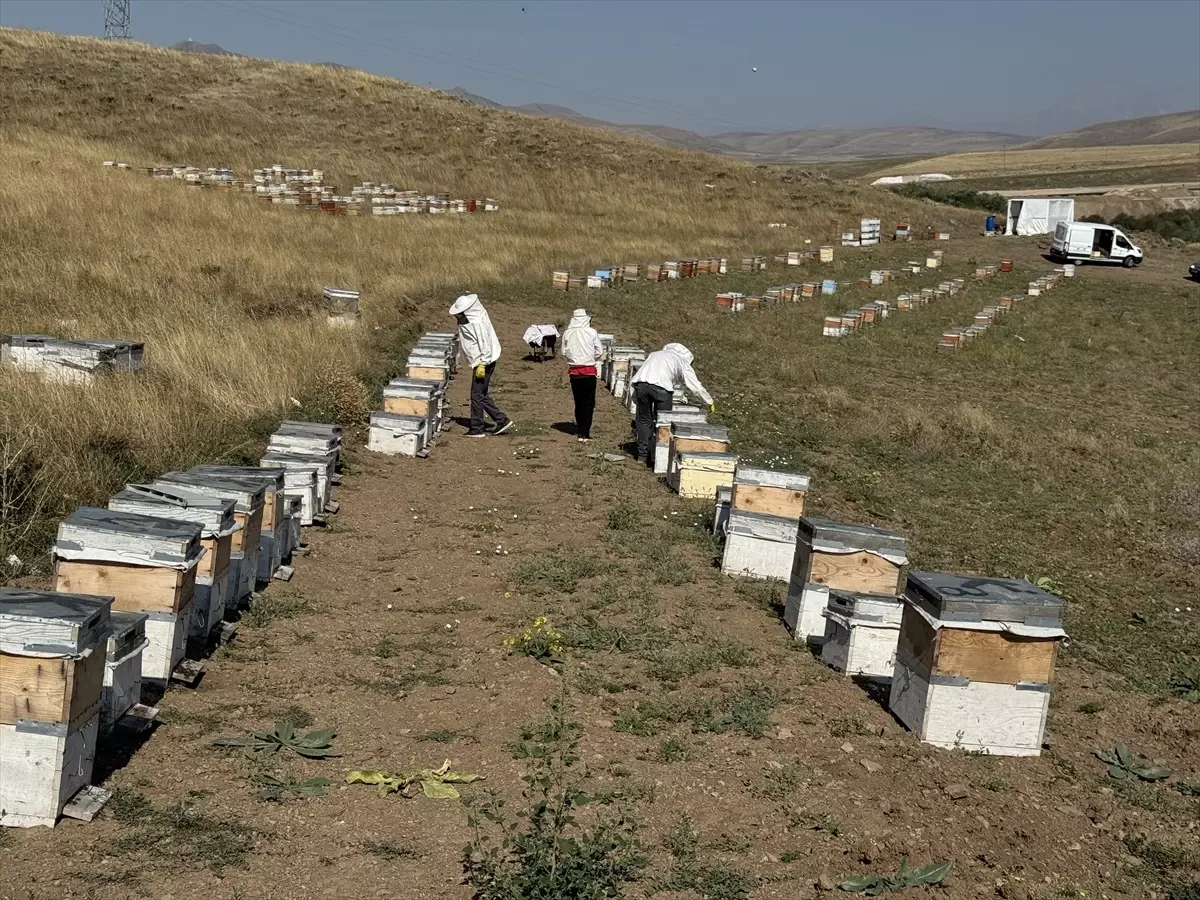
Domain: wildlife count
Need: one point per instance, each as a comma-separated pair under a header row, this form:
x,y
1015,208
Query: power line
x,y
116,19
326,29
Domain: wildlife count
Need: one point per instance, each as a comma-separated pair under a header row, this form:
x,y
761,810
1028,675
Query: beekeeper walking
x,y
481,348
583,352
654,384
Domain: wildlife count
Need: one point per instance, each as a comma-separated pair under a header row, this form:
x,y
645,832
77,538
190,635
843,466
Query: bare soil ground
x,y
694,703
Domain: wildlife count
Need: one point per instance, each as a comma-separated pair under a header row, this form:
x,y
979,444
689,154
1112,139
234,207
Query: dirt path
x,y
692,700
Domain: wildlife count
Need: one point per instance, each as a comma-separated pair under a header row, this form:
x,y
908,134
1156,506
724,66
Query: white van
x,y
1092,242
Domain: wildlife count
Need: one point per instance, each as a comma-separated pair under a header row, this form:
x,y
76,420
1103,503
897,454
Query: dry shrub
x,y
917,429
335,394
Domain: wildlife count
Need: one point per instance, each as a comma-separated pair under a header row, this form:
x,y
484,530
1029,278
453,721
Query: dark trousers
x,y
583,389
651,399
481,401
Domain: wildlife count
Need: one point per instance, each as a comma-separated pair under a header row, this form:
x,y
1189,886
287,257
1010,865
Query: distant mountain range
x,y
1172,128
808,144
827,144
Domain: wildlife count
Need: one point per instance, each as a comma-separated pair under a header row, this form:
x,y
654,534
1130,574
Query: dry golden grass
x,y
1044,161
224,291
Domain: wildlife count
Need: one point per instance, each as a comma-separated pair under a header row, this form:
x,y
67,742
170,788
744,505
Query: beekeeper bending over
x,y
663,372
481,348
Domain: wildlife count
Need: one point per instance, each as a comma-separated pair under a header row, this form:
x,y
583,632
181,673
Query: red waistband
x,y
581,370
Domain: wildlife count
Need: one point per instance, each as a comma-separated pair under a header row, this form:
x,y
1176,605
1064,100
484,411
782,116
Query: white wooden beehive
x,y
395,434
758,545
861,631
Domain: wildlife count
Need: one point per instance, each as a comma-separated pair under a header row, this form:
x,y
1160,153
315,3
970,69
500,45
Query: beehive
x,y
51,681
270,541
698,475
123,666
861,631
396,434
975,662
758,545
859,559
664,421
218,525
770,492
247,512
695,437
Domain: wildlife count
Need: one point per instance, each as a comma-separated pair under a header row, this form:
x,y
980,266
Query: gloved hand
x,y
480,371
712,407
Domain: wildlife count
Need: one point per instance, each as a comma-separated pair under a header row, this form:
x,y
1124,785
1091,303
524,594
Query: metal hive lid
x,y
761,525
322,428
974,598
410,391
269,476
398,422
213,514
51,622
794,481
162,539
844,537
247,497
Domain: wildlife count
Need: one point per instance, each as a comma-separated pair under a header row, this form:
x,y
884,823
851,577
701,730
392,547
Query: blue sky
x,y
1009,65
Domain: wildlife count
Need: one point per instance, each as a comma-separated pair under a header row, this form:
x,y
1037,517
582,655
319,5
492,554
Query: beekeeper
x,y
654,384
481,348
583,352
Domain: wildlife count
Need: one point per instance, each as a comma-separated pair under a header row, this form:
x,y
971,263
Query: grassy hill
x,y
1173,128
223,290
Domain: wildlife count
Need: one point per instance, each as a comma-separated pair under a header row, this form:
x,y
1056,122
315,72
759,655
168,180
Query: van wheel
x,y
1129,262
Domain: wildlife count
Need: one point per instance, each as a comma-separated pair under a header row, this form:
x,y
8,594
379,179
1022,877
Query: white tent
x,y
1038,215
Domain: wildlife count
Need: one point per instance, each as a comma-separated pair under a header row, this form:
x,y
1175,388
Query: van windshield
x,y
1122,243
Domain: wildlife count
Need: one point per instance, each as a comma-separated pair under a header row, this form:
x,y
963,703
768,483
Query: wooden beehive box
x,y
271,479
975,662
51,678
301,479
247,512
395,434
662,435
770,492
698,475
301,451
144,563
758,545
849,557
215,516
861,631
695,437
123,667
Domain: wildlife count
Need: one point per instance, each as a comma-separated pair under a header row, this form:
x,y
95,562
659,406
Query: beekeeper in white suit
x,y
654,384
481,348
583,352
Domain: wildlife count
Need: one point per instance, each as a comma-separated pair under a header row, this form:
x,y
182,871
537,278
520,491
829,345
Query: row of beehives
x,y
735,301
671,270
851,320
959,336
307,189
969,660
414,407
142,590
69,361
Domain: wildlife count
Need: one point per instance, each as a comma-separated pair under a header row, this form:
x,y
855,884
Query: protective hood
x,y
580,319
680,351
464,303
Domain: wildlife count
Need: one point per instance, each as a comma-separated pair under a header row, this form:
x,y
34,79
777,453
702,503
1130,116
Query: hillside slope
x,y
1173,128
224,290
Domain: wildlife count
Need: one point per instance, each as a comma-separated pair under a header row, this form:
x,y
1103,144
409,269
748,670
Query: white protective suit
x,y
671,368
476,336
581,342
